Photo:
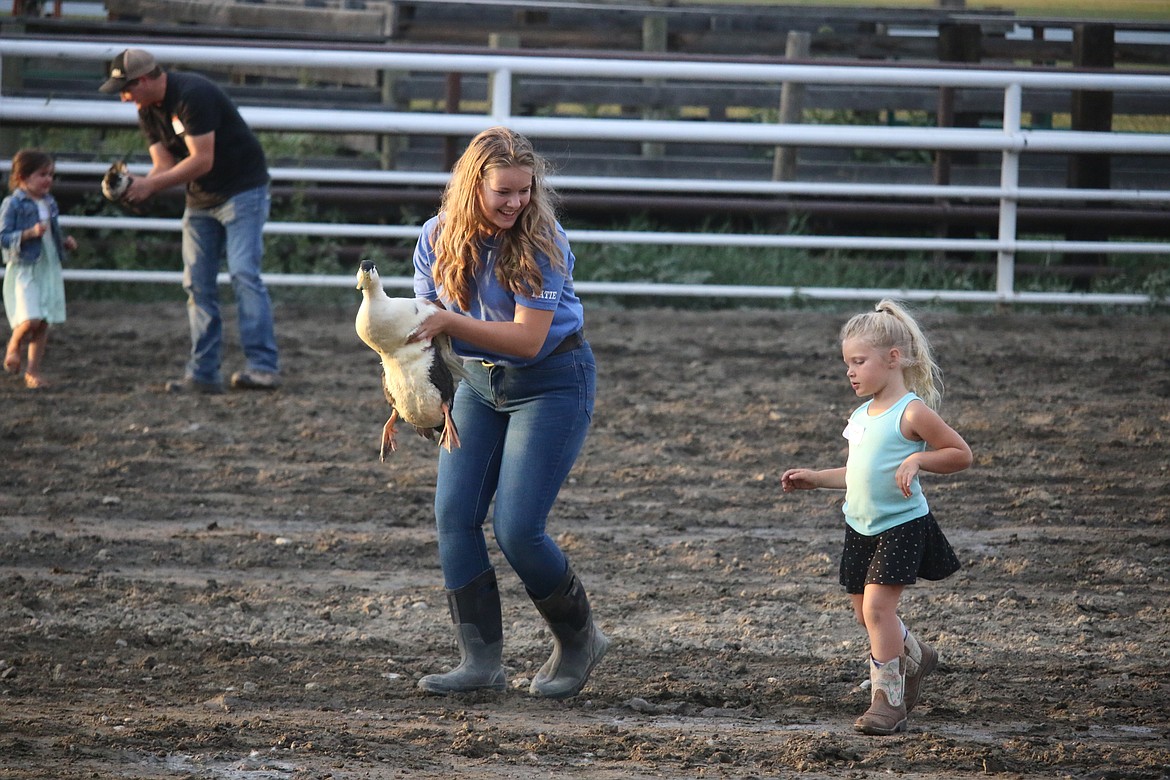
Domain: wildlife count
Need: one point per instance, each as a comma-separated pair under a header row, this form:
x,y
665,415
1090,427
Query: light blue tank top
x,y
873,502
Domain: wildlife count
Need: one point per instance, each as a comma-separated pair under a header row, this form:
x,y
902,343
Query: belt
x,y
568,344
571,342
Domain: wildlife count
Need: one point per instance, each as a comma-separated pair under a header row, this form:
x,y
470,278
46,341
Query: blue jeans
x,y
233,229
521,430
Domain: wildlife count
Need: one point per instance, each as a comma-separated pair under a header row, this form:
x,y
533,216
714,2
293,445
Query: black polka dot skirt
x,y
898,556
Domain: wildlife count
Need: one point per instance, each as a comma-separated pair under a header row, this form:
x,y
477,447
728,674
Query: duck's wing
x,y
441,377
445,373
453,364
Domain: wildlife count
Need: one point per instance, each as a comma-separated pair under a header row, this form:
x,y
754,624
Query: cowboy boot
x,y
887,708
921,659
578,644
475,611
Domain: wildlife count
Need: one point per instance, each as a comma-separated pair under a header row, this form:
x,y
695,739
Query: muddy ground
x,y
235,587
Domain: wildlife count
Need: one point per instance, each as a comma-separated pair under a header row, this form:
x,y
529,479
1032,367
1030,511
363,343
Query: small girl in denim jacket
x,y
33,249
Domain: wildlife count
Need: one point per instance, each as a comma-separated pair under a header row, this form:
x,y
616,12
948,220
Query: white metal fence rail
x,y
1010,140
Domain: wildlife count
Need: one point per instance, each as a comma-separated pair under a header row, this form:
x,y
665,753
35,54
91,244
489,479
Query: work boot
x,y
190,384
479,632
921,659
256,380
887,708
578,645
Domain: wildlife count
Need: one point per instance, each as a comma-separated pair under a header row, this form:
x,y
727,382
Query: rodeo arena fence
x,y
1010,140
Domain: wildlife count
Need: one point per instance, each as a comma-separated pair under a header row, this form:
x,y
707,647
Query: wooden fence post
x,y
797,46
653,40
956,43
388,145
1091,111
453,96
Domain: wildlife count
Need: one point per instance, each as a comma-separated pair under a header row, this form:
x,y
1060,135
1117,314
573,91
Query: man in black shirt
x,y
198,139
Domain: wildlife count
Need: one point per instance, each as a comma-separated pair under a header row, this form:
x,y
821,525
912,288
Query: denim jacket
x,y
18,212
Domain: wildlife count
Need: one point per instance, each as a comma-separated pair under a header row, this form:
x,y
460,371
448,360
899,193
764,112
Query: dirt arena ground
x,y
234,587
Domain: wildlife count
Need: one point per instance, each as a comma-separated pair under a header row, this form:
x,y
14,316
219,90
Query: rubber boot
x,y
887,708
475,611
578,644
921,659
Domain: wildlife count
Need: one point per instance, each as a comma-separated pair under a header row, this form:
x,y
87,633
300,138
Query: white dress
x,y
37,291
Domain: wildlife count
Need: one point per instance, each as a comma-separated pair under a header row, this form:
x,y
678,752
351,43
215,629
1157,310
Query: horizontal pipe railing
x,y
376,178
1010,141
658,289
576,67
662,238
90,112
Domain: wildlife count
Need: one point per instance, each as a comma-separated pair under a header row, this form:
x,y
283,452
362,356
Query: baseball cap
x,y
127,66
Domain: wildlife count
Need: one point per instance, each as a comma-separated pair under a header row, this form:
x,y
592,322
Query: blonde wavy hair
x,y
890,325
463,228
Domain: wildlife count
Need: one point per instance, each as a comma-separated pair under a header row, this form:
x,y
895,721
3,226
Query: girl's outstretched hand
x,y
813,479
798,479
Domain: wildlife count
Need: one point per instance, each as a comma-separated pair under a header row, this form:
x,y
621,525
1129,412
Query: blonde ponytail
x,y
890,325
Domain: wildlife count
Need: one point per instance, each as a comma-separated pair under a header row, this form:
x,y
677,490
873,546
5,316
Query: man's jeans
x,y
234,229
521,430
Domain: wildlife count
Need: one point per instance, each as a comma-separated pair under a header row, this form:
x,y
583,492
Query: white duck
x,y
419,378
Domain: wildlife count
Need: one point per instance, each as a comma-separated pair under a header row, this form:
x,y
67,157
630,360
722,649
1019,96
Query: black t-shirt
x,y
194,105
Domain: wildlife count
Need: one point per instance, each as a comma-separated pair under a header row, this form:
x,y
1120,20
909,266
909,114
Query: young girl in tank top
x,y
891,537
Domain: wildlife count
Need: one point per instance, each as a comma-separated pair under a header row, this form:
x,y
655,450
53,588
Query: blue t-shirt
x,y
493,303
873,501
